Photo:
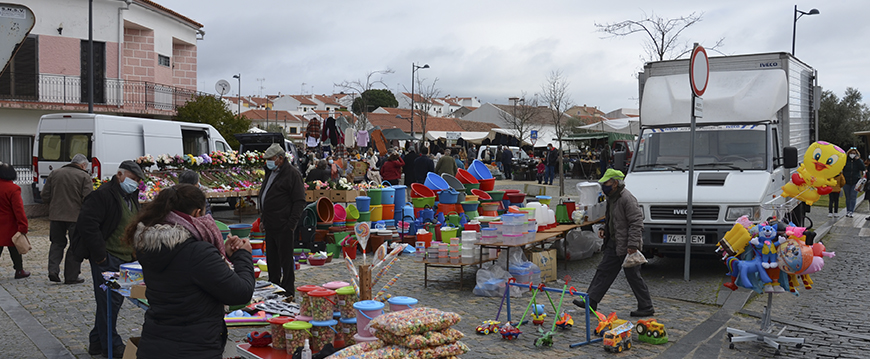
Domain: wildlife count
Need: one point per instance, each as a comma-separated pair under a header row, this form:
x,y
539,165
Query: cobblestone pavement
x,y
826,315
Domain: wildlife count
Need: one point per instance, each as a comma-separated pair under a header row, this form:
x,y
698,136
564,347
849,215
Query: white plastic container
x,y
513,229
466,235
512,238
512,218
588,193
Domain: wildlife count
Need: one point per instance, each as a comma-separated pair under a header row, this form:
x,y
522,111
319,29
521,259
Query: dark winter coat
x,y
553,157
99,217
64,191
282,207
852,171
422,166
409,167
624,220
188,284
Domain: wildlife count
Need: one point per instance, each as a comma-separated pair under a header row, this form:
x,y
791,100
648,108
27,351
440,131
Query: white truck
x,y
108,140
759,112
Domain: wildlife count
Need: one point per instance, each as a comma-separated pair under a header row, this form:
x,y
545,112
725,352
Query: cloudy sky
x,y
497,49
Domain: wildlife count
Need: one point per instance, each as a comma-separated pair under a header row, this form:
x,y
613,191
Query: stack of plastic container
x,y
514,227
433,253
487,235
442,252
454,253
469,245
525,273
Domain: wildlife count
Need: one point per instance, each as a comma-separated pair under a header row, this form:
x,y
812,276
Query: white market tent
x,y
626,125
472,137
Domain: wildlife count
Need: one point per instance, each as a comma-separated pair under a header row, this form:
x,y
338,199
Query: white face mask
x,y
853,156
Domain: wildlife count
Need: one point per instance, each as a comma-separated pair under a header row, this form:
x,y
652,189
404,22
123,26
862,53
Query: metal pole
x,y
690,194
794,29
91,56
413,68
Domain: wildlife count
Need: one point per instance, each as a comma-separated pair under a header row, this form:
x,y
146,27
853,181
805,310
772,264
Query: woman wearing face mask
x,y
183,256
852,171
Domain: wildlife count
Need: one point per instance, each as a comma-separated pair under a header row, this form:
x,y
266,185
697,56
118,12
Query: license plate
x,y
681,238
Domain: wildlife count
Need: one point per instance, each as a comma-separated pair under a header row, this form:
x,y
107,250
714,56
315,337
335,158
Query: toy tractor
x,y
509,332
618,339
651,331
488,327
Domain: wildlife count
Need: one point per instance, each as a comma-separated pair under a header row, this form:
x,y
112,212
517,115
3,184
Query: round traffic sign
x,y
699,71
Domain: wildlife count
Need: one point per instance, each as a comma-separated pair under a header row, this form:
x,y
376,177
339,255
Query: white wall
x,y
166,27
72,15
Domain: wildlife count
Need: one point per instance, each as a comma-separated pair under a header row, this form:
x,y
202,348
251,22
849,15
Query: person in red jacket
x,y
12,218
391,171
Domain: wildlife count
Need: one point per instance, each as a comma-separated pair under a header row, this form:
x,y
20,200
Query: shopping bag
x,y
22,244
633,260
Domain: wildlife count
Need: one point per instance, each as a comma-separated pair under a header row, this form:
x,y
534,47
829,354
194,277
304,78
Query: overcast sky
x,y
496,49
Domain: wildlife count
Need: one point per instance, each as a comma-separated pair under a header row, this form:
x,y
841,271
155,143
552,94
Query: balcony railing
x,y
72,90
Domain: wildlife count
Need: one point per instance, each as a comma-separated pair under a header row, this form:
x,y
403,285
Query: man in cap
x,y
98,237
64,191
622,234
282,199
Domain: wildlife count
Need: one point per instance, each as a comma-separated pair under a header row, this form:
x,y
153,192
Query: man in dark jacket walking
x,y
507,160
422,166
408,168
64,191
98,236
282,199
552,162
622,234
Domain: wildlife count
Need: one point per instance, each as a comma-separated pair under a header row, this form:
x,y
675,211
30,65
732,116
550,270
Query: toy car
x,y
618,339
650,327
565,321
488,327
605,324
509,332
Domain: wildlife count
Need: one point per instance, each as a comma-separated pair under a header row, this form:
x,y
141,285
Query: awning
x,y
469,136
585,136
627,125
396,134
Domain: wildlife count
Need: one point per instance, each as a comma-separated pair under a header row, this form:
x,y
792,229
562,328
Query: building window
x,y
21,78
163,60
292,130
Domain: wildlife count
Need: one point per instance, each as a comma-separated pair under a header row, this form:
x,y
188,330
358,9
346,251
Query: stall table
x,y
540,238
462,264
235,194
246,351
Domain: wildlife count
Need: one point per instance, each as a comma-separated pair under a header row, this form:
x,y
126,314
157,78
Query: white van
x,y
519,154
108,140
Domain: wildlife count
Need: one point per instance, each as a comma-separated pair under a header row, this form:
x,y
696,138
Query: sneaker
x,y
849,214
867,219
21,274
643,313
54,278
830,215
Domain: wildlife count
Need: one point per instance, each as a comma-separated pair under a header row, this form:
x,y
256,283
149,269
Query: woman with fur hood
x,y
184,263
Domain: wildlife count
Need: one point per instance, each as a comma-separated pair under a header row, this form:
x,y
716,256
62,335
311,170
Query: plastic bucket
x,y
388,194
352,213
496,195
364,217
449,196
435,182
325,210
339,213
321,304
448,232
375,195
366,310
242,229
544,199
487,184
420,202
377,212
479,170
344,297
363,203
400,195
482,196
401,303
349,251
470,206
419,190
465,177
388,211
322,333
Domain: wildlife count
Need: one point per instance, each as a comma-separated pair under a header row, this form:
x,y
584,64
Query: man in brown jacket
x,y
64,191
622,234
282,199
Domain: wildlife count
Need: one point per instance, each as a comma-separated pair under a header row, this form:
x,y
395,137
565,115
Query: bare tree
x,y
522,116
359,86
427,94
663,42
554,95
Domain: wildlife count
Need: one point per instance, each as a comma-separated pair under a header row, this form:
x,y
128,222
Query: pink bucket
x,y
340,214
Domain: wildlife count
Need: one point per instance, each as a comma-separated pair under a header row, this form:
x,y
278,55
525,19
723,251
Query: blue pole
x,y
109,318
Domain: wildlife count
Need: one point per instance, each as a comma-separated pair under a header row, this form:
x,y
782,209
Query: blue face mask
x,y
129,185
606,189
271,165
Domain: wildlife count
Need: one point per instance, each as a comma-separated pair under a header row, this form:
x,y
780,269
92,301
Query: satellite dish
x,y
16,21
222,87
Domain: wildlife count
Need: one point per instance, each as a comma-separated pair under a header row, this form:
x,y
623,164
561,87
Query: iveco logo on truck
x,y
681,211
769,64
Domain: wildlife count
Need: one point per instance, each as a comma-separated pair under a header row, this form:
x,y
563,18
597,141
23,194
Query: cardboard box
x,y
309,195
321,193
132,347
545,259
137,291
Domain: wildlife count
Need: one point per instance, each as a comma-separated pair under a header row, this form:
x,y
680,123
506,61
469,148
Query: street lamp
x,y
414,69
794,27
239,76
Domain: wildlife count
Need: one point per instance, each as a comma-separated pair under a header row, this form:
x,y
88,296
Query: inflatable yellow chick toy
x,y
813,178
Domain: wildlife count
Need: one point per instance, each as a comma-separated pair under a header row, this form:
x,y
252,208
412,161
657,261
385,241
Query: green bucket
x,y
422,202
365,217
333,248
496,195
471,215
375,195
340,236
471,186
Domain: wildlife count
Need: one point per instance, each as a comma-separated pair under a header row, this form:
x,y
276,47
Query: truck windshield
x,y
729,147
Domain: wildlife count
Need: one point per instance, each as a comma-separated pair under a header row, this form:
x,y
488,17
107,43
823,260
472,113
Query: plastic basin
x,y
481,195
514,197
496,195
325,210
242,229
420,202
470,206
352,213
435,182
465,177
448,196
487,184
479,170
419,190
339,213
471,186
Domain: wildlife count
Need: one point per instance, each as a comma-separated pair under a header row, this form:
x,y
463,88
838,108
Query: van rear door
x,y
162,138
56,149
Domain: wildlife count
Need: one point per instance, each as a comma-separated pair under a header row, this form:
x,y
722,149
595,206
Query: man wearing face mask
x,y
98,237
622,234
282,199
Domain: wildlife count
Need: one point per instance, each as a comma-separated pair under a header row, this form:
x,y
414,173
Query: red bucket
x,y
349,251
487,184
465,177
421,191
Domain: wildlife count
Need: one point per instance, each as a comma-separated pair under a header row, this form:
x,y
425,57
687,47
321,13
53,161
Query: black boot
x,y
592,303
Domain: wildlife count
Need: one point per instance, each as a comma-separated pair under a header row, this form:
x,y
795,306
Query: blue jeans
x,y
851,196
549,174
99,332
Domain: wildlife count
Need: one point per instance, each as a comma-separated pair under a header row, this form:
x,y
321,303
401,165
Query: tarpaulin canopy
x,y
626,125
396,134
468,136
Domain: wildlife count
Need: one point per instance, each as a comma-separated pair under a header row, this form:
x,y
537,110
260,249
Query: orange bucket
x,y
388,211
447,208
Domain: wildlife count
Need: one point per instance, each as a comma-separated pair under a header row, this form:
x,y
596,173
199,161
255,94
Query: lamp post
x,y
414,69
239,76
794,27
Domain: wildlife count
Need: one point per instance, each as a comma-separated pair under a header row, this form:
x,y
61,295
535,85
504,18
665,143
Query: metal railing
x,y
72,90
24,175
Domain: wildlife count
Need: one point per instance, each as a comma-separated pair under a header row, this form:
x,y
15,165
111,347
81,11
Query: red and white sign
x,y
699,71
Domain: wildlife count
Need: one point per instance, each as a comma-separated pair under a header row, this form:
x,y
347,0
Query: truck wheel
x,y
640,329
627,345
619,349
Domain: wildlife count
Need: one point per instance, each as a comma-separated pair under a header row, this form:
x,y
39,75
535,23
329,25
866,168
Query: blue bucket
x,y
435,182
479,170
362,203
388,195
400,195
448,196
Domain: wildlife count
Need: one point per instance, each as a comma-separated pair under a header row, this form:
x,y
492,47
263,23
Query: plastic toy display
x,y
822,162
488,327
651,331
619,338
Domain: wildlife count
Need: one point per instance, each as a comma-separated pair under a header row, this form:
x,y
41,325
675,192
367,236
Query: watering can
x,y
440,218
462,220
427,214
562,214
452,218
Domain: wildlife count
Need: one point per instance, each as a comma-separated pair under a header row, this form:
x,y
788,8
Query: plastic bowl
x,y
242,229
257,244
421,191
465,177
487,184
515,197
479,170
496,195
481,195
340,214
435,182
316,261
351,213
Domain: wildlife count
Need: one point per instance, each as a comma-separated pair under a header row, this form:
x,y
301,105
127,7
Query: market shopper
x,y
98,237
507,160
446,164
392,169
852,172
422,166
12,217
622,234
408,168
552,162
834,196
182,254
282,199
63,192
319,173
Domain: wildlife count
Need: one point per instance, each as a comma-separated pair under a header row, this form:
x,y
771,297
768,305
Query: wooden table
x,y
540,238
465,261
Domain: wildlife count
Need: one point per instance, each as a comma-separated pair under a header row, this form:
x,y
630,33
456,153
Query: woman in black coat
x,y
184,264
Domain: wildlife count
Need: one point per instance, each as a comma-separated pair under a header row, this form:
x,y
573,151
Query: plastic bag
x,y
633,260
581,245
491,279
859,187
